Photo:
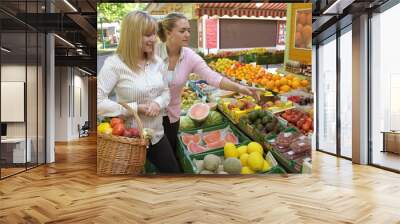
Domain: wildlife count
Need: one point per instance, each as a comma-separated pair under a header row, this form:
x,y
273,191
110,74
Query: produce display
x,y
277,105
199,112
245,159
301,100
202,142
221,64
188,99
299,119
258,75
272,56
236,108
214,118
261,124
293,145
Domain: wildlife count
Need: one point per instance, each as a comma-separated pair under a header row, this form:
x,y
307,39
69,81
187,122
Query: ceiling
x,y
74,21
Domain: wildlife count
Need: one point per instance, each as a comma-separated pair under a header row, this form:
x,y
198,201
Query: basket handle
x,y
136,117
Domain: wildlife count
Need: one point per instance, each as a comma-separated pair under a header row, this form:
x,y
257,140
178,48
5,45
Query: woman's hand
x,y
153,109
142,108
251,91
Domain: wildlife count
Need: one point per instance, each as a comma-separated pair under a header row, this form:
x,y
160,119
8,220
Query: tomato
x,y
116,120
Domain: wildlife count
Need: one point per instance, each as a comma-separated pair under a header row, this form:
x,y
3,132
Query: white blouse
x,y
132,88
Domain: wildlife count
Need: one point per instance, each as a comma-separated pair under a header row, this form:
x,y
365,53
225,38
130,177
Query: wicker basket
x,y
121,155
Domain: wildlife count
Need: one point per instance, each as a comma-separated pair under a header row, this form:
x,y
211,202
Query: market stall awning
x,y
243,9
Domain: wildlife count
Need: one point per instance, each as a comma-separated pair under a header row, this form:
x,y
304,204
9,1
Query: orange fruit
x,y
289,77
270,85
276,77
277,83
285,88
283,81
304,83
295,84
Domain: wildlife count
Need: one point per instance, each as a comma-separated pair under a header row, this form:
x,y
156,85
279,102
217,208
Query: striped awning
x,y
242,9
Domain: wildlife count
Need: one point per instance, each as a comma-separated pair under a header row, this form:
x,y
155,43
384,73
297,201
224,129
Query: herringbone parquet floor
x,y
70,192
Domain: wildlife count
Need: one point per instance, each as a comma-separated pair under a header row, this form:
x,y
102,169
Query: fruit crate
x,y
183,151
307,133
254,133
190,168
290,165
235,115
242,138
276,170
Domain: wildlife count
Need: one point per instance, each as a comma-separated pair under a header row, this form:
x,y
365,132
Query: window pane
x,y
346,94
327,96
385,87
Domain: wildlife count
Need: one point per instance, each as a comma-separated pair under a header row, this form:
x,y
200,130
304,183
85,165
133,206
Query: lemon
x,y
103,127
108,131
242,149
266,166
243,159
246,170
230,150
255,161
255,147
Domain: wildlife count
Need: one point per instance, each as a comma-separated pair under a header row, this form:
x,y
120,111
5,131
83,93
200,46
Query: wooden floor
x,y
70,192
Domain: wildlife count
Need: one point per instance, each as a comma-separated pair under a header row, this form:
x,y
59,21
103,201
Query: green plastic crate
x,y
276,170
185,157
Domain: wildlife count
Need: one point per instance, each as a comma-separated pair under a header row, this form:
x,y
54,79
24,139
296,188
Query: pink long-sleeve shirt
x,y
189,62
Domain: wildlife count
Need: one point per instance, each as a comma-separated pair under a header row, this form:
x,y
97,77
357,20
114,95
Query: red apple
x,y
127,133
134,132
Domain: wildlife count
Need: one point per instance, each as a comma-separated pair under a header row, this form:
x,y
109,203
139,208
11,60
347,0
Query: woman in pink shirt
x,y
179,62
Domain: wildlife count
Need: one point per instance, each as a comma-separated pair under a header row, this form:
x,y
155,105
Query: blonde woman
x,y
178,62
133,73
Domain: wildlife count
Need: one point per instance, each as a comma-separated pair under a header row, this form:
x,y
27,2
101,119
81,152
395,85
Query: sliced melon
x,y
199,112
187,138
230,137
212,136
216,144
195,148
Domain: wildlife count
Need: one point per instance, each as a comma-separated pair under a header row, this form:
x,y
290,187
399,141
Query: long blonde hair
x,y
167,24
134,26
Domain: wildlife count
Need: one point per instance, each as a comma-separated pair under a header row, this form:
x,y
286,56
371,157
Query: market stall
x,y
223,132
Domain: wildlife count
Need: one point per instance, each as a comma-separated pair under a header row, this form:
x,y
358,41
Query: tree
x,y
114,12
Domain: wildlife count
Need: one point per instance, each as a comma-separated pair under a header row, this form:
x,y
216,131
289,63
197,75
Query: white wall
x,y
34,124
69,85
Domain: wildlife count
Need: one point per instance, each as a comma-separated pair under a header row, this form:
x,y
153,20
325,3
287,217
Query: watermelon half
x,y
199,112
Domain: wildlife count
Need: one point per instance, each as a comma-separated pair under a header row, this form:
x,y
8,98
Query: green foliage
x,y
114,12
